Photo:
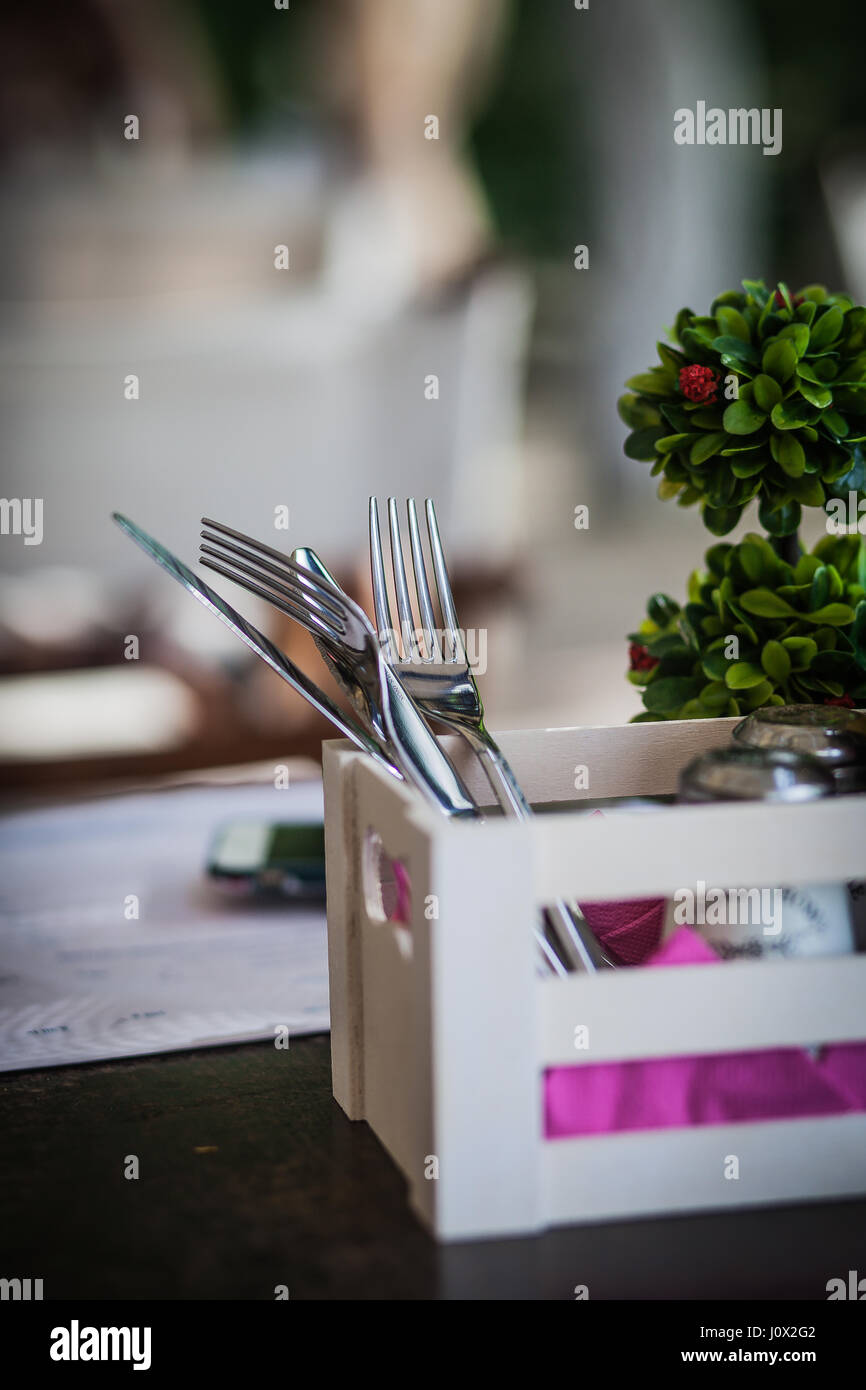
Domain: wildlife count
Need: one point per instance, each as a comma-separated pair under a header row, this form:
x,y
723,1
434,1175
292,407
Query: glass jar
x,y
760,922
837,738
832,734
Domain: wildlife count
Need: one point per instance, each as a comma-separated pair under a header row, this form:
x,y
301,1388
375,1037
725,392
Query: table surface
x,y
250,1176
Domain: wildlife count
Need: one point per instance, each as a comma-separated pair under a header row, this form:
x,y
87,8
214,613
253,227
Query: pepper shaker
x,y
764,922
837,738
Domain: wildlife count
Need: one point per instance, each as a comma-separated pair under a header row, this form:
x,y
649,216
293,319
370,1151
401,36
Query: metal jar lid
x,y
741,773
834,735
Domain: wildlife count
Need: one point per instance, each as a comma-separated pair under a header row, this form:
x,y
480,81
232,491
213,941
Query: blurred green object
x,y
757,631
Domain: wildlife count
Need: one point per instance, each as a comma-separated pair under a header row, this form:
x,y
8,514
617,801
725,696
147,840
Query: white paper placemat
x,y
81,980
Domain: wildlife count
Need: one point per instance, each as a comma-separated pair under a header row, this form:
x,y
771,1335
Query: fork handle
x,y
499,773
568,924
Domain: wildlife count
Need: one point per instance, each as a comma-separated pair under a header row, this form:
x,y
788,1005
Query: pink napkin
x,y
783,1083
630,931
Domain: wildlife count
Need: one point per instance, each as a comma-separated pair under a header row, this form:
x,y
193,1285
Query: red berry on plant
x,y
640,658
698,384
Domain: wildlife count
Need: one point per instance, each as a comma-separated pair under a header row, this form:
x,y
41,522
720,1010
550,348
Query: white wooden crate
x,y
441,1032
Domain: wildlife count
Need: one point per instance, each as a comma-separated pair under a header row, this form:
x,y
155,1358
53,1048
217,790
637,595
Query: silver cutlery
x,y
435,671
303,555
263,647
348,646
363,737
351,643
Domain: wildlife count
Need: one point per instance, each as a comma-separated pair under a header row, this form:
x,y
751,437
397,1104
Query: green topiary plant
x,y
757,631
763,399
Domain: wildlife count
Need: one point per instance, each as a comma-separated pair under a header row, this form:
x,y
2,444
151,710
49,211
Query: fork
x,y
331,617
439,678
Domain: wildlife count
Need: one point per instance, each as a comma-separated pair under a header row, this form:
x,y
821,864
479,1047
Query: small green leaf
x,y
792,414
789,454
758,695
826,328
819,590
768,392
706,446
806,372
801,650
808,490
719,521
798,334
818,396
732,324
757,289
776,662
833,614
641,444
662,610
747,465
836,423
779,360
666,696
715,664
670,358
669,443
653,383
715,696
779,518
742,418
764,603
742,675
805,568
637,414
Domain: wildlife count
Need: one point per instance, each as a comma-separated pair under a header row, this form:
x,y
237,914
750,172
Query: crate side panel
x,y
732,845
667,1171
487,1098
344,945
688,1010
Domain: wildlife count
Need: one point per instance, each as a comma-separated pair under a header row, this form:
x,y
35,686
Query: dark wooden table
x,y
251,1177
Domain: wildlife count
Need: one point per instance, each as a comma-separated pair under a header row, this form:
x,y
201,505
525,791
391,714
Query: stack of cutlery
x,y
402,681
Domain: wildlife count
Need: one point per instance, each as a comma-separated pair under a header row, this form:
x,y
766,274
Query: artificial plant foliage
x,y
757,630
762,399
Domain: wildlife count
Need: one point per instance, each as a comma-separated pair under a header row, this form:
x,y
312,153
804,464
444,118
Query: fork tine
x,y
422,588
280,565
443,583
299,611
381,605
401,588
286,588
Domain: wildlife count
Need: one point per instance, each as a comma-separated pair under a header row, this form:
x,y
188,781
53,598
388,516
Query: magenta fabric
x,y
784,1083
631,931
